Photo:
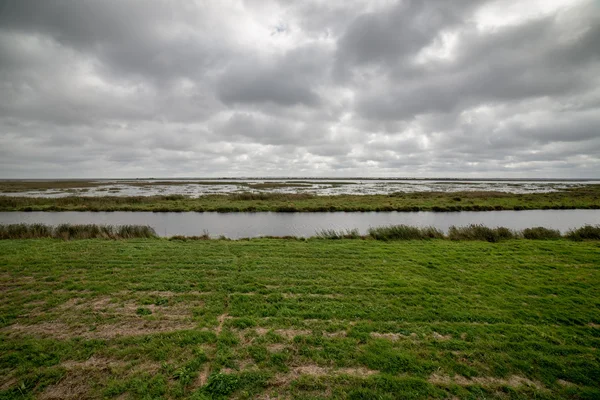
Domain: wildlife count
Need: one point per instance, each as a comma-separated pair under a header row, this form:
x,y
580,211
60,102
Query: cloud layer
x,y
416,88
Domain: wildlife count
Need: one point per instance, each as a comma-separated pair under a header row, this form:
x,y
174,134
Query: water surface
x,y
241,225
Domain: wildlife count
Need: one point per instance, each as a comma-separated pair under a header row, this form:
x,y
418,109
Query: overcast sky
x,y
423,88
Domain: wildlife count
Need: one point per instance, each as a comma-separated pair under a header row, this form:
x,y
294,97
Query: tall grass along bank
x,y
70,232
385,233
404,232
269,318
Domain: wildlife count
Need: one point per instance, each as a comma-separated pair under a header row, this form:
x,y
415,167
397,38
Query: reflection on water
x,y
241,225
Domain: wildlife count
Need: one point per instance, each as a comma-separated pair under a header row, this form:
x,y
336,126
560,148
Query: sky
x,y
331,88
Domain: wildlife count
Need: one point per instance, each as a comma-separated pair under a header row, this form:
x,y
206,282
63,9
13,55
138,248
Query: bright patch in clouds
x,y
129,88
502,13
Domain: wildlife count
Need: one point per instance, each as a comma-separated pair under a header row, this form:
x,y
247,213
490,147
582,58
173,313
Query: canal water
x,y
244,225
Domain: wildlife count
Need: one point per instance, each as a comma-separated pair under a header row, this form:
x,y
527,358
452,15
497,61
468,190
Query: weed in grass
x,y
278,361
143,311
382,356
258,353
243,323
222,385
161,302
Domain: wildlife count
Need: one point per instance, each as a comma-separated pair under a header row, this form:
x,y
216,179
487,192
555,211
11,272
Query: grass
x,y
469,232
335,235
71,232
302,319
385,233
404,232
589,232
585,197
480,232
541,233
285,197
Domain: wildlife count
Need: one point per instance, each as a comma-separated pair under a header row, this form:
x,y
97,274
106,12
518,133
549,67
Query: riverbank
x,y
385,233
303,319
585,197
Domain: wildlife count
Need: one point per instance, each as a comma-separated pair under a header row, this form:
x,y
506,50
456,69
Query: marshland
x,y
447,300
577,196
311,186
299,200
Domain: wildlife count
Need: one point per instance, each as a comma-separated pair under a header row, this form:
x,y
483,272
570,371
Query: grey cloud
x,y
161,39
286,81
512,64
393,34
129,88
265,129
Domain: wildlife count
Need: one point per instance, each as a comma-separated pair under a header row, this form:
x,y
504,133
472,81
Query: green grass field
x,y
585,197
273,318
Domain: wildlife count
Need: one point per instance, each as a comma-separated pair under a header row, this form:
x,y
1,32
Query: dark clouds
x,y
326,88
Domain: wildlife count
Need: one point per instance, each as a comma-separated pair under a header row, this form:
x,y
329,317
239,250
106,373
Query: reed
x,y
25,231
381,233
405,232
480,232
586,232
341,234
541,233
75,232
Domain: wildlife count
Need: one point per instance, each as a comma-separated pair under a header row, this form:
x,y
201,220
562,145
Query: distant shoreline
x,y
583,197
307,178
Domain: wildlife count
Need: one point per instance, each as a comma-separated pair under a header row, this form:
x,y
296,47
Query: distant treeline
x,y
385,233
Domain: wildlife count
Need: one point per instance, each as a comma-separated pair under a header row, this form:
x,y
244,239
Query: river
x,y
242,225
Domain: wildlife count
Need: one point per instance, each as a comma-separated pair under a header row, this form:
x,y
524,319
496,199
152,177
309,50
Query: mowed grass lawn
x,y
274,318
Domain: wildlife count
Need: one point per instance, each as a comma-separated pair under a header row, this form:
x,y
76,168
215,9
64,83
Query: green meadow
x,y
299,319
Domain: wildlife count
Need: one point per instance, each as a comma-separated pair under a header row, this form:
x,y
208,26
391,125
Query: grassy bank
x,y
385,233
348,319
75,232
586,197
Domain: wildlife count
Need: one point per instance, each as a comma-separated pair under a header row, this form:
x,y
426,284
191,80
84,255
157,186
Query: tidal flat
x,y
313,186
580,197
302,319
